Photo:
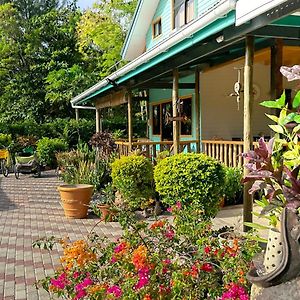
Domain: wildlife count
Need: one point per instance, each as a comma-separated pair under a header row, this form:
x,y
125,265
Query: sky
x,y
85,3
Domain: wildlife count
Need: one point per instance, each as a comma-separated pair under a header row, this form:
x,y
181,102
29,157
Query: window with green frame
x,y
161,114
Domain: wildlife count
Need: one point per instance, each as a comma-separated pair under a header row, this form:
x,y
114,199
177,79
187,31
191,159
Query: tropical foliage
x,y
274,166
50,51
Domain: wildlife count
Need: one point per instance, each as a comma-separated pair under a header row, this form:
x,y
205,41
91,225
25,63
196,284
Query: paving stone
x,y
29,210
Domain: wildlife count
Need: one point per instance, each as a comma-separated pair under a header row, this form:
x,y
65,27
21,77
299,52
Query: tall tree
x,y
102,30
50,51
29,51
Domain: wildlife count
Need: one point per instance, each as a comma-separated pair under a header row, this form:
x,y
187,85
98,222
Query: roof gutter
x,y
83,107
225,7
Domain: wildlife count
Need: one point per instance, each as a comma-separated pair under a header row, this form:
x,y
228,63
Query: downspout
x,y
221,10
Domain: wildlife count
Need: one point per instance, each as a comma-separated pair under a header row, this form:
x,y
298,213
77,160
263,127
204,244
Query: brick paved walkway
x,y
30,209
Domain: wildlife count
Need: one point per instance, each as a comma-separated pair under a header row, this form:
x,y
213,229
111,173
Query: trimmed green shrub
x,y
68,129
233,184
47,148
192,179
5,140
133,178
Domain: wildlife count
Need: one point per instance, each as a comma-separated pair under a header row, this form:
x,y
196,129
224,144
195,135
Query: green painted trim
x,y
293,21
207,31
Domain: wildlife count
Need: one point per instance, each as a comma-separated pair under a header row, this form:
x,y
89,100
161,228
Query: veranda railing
x,y
228,152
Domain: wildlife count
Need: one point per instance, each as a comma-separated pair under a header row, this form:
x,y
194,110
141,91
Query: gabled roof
x,y
135,42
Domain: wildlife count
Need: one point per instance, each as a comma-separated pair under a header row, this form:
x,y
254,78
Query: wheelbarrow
x,y
26,164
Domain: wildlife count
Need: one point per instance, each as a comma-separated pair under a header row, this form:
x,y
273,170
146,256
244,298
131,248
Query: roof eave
x,y
131,28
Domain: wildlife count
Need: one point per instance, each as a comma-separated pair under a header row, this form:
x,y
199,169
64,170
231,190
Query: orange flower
x,y
139,257
242,280
77,254
158,224
96,288
234,248
147,297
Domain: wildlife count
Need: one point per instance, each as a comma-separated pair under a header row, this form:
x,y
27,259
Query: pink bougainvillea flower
x,y
61,282
292,73
85,283
115,290
235,292
206,267
80,294
166,261
76,275
178,205
113,259
143,278
170,209
170,233
122,247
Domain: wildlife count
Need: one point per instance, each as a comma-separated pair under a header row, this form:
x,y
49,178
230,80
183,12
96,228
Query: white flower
x,y
292,73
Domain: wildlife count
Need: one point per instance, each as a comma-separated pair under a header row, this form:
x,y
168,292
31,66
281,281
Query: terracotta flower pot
x,y
75,199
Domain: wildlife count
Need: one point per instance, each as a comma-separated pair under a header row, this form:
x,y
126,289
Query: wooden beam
x,y
248,105
114,98
197,55
167,85
276,63
98,120
176,124
77,114
273,31
197,108
130,131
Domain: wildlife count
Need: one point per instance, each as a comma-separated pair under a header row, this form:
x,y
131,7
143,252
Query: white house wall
x,y
221,118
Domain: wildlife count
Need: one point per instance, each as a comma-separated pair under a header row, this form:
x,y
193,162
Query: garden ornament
x,y
281,264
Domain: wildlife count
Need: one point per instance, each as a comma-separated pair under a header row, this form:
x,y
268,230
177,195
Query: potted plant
x,y
103,201
82,176
233,185
274,171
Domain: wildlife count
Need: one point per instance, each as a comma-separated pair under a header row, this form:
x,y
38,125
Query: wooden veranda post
x,y
276,63
197,105
77,114
248,104
175,105
130,131
98,118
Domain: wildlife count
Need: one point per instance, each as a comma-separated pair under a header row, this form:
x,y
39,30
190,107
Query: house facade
x,y
205,65
188,57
